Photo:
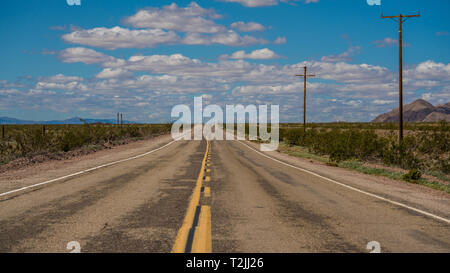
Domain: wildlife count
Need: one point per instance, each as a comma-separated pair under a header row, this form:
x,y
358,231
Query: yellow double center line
x,y
194,235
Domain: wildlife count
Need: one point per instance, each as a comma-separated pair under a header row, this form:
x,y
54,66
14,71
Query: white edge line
x,y
350,187
88,170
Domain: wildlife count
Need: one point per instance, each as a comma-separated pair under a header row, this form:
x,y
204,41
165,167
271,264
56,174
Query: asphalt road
x,y
219,196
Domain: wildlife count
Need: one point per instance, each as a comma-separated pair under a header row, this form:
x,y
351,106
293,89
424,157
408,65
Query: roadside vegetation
x,y
425,149
28,141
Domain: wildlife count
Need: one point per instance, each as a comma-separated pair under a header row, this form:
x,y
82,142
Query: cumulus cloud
x,y
180,65
280,40
61,78
275,89
118,37
108,73
255,3
248,27
429,70
83,55
347,73
230,38
191,25
383,101
172,17
260,54
61,82
365,89
265,3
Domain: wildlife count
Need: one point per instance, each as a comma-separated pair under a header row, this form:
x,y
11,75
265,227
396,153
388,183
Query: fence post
x,y
3,131
43,130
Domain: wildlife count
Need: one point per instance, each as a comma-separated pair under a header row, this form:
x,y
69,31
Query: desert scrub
x,y
426,147
30,140
338,144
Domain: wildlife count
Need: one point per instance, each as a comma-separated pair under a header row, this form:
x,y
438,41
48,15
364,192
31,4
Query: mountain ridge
x,y
418,111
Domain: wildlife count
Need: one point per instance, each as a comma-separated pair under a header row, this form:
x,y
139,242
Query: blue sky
x,y
143,57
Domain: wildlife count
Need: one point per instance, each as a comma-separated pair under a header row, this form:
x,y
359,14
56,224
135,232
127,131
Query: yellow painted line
x,y
207,178
182,236
207,192
202,238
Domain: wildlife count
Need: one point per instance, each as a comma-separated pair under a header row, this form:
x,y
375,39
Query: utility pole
x,y
305,75
121,119
401,19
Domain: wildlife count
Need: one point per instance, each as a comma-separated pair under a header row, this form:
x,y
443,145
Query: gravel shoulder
x,y
51,169
417,196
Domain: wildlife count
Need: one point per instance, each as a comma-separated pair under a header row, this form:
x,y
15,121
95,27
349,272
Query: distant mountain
x,y
418,111
76,120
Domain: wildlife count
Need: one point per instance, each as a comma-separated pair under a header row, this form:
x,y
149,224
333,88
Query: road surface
x,y
219,196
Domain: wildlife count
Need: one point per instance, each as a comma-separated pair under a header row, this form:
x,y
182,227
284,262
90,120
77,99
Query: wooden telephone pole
x,y
305,76
401,19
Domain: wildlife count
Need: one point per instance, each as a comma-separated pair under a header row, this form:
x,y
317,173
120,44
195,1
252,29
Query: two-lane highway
x,y
219,196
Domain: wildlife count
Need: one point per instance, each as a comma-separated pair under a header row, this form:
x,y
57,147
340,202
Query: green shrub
x,y
413,175
426,148
29,140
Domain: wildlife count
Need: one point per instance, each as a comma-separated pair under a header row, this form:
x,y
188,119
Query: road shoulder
x,y
417,196
39,172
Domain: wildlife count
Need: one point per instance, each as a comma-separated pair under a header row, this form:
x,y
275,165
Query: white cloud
x,y
118,37
248,27
429,70
229,38
83,55
382,102
108,73
260,54
60,78
255,3
265,3
275,89
280,40
60,82
347,73
191,25
426,96
9,91
172,17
